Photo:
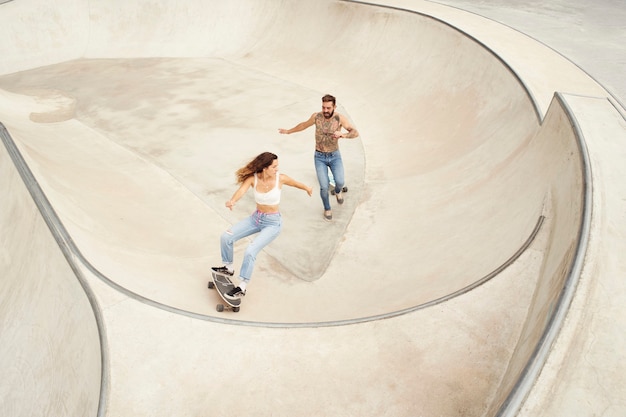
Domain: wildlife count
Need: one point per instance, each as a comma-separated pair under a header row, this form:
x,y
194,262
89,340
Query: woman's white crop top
x,y
270,198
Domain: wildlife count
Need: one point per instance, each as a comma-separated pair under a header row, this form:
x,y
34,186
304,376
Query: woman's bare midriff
x,y
267,209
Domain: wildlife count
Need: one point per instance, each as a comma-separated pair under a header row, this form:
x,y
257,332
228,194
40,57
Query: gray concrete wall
x,y
50,354
555,146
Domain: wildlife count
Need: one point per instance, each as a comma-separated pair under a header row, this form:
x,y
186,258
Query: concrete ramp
x,y
50,350
447,182
462,223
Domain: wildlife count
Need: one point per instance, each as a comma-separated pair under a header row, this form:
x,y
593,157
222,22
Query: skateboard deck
x,y
223,284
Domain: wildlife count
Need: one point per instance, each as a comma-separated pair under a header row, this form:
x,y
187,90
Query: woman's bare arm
x,y
287,180
245,185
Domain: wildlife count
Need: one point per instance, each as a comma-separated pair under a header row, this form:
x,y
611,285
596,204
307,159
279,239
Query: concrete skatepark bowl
x,y
441,285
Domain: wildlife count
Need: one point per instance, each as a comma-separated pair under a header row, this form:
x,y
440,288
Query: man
x,y
329,128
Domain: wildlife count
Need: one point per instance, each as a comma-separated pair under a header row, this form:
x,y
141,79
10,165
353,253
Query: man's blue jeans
x,y
323,161
267,225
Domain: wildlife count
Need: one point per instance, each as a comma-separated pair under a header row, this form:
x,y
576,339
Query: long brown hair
x,y
257,165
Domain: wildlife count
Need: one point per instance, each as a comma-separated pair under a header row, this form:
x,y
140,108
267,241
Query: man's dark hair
x,y
328,98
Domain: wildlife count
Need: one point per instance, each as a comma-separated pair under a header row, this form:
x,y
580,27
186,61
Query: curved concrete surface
x,y
131,141
133,116
50,353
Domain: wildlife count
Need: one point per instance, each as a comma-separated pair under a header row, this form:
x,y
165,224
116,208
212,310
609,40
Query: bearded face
x,y
328,109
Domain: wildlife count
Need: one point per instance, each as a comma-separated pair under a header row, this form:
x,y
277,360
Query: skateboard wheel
x,y
220,308
235,309
344,189
211,285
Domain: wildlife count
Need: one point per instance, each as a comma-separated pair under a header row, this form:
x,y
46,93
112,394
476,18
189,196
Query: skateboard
x,y
223,284
332,190
333,185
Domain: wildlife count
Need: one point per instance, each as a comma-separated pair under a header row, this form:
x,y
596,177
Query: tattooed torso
x,y
324,129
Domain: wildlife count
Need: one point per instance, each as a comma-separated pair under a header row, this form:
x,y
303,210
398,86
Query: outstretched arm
x,y
287,180
240,192
299,126
345,123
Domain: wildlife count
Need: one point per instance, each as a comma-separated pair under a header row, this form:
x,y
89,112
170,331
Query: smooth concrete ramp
x,y
50,350
464,218
150,138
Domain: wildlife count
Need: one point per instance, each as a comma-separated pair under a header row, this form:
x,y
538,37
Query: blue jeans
x,y
323,161
267,225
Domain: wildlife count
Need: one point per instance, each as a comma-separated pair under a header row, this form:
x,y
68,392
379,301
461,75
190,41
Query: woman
x,y
262,175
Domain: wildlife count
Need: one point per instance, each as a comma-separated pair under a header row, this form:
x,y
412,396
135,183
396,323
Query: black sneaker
x,y
223,270
235,293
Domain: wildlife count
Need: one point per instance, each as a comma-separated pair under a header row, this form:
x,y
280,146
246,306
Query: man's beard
x,y
328,115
